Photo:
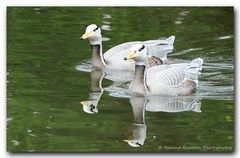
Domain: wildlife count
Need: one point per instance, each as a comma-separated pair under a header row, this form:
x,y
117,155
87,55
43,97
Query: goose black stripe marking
x,y
141,48
96,28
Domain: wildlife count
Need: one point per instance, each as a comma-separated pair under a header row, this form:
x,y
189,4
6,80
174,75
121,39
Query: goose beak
x,y
83,103
85,35
131,55
127,141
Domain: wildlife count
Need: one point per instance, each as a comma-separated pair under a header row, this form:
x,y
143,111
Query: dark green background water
x,y
44,88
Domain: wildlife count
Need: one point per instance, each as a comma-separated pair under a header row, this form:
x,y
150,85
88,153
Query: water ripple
x,y
106,16
106,27
224,37
186,51
84,66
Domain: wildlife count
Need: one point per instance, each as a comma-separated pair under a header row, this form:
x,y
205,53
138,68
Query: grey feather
x,y
153,61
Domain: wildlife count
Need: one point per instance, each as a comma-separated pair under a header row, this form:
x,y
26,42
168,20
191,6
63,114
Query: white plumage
x,y
169,80
113,58
173,81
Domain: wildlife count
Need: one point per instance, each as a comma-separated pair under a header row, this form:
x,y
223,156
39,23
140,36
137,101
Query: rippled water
x,y
48,74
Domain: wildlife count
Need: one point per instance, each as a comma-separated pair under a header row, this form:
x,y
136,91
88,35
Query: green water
x,y
44,87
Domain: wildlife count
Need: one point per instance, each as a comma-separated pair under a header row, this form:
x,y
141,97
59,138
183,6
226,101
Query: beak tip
x,y
82,102
126,141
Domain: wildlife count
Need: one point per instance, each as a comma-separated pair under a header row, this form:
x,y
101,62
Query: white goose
x,y
169,80
113,58
96,90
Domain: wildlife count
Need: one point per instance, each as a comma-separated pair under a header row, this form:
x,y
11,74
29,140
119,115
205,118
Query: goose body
x,y
168,80
173,81
113,58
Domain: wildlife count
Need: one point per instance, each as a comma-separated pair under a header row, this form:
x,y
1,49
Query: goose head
x,y
138,52
93,33
136,135
89,106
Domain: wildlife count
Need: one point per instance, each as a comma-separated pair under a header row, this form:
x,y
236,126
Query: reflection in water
x,y
106,26
117,76
136,134
96,90
174,104
180,17
90,105
107,16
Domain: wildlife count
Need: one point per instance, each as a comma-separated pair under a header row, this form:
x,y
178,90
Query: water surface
x,y
45,86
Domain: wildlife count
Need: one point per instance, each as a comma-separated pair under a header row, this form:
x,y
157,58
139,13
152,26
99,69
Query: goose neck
x,y
98,61
138,81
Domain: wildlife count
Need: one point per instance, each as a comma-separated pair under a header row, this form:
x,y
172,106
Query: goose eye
x,y
141,48
96,29
92,107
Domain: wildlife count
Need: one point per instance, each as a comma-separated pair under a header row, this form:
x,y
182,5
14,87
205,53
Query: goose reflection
x,y
173,104
96,91
136,134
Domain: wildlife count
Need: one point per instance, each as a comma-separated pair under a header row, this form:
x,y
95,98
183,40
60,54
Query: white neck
x,y
96,40
140,63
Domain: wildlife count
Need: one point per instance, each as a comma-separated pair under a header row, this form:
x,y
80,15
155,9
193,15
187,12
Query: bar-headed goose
x,y
91,104
169,80
113,58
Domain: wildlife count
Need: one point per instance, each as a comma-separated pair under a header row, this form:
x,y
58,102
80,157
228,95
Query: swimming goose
x,y
169,80
91,104
113,58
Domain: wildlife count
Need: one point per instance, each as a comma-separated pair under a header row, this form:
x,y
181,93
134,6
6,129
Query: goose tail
x,y
196,63
170,40
193,69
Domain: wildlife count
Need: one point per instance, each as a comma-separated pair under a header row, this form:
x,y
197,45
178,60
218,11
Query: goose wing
x,y
161,45
170,82
177,80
